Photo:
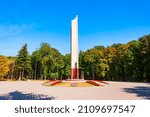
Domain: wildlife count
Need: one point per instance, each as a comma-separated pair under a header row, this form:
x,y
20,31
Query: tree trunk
x,y
20,75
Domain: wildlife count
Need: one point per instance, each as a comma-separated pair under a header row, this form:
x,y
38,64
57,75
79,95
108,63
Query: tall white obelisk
x,y
74,49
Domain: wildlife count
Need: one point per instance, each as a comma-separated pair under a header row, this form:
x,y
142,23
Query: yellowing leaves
x,y
4,65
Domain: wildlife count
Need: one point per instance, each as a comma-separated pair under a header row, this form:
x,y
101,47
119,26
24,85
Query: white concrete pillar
x,y
74,49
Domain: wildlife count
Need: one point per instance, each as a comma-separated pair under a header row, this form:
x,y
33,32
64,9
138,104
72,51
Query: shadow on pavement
x,y
141,91
16,95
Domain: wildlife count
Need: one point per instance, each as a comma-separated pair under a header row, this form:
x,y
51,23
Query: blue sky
x,y
101,22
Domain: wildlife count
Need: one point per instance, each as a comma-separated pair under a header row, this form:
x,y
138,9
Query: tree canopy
x,y
118,62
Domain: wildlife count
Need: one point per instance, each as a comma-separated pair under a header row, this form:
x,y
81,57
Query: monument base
x,y
74,73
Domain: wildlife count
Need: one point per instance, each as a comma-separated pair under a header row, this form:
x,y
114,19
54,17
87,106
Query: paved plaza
x,y
33,90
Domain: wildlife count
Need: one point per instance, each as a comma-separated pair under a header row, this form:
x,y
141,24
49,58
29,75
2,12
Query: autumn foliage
x,y
118,62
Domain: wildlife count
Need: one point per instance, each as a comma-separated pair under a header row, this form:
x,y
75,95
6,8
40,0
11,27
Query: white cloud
x,y
13,29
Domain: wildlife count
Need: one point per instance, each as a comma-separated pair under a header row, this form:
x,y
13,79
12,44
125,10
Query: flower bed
x,y
51,82
74,80
93,82
102,82
56,82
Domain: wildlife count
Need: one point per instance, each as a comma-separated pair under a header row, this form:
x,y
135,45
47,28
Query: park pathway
x,y
33,90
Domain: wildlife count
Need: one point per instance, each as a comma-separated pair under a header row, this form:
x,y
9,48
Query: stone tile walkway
x,y
33,90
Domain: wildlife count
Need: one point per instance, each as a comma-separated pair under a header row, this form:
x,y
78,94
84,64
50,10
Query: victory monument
x,y
74,49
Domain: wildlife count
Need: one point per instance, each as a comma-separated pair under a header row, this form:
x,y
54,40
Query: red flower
x,y
56,82
93,82
52,82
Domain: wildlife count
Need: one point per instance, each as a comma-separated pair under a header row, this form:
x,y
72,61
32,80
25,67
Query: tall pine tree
x,y
23,63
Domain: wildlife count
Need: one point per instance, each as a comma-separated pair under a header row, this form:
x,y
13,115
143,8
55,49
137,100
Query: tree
x,y
145,56
22,63
47,63
91,62
67,66
4,66
119,62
